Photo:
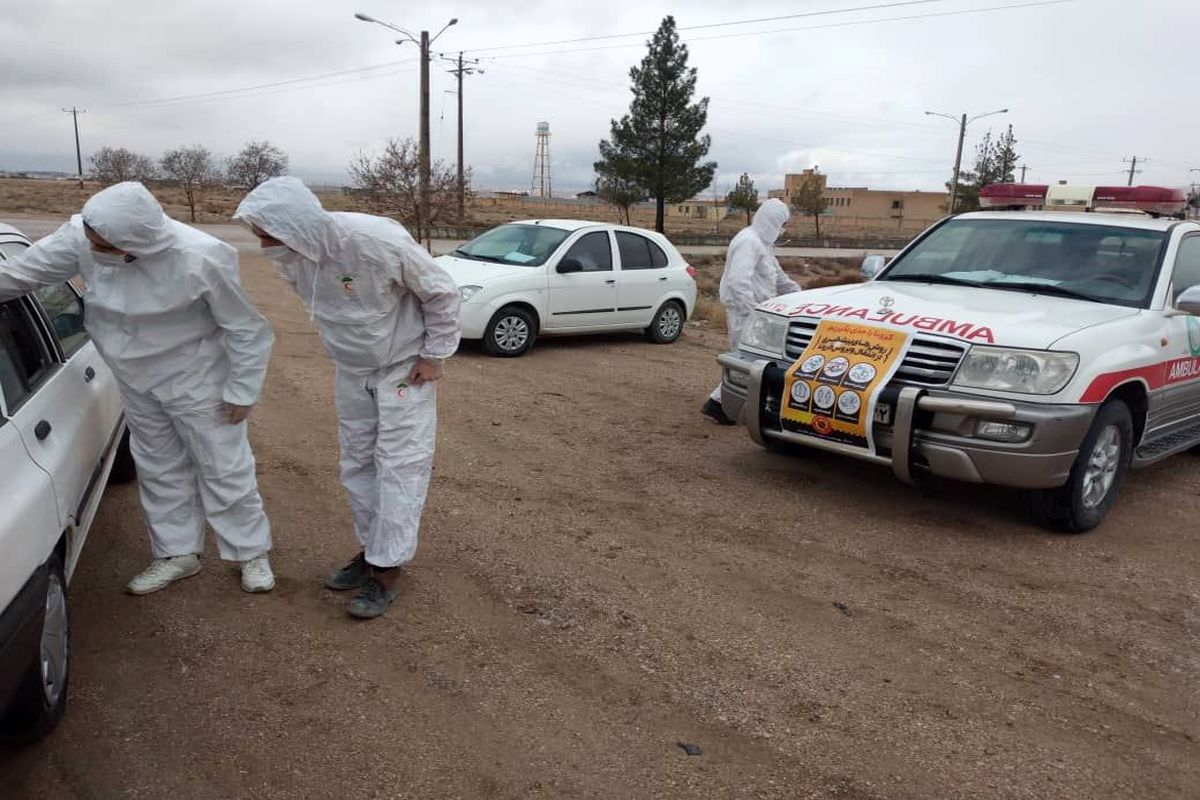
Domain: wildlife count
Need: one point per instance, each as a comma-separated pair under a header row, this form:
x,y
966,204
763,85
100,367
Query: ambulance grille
x,y
929,362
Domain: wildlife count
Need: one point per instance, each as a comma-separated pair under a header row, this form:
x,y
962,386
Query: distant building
x,y
698,208
863,207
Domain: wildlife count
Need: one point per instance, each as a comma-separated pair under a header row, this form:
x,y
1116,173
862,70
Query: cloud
x,y
1103,87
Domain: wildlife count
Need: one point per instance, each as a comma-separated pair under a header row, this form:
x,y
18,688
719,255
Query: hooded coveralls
x,y
182,338
752,273
380,302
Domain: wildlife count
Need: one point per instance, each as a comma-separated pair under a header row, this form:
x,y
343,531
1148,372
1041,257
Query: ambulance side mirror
x,y
1189,301
872,266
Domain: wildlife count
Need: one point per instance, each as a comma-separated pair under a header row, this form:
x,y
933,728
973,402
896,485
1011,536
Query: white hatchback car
x,y
62,437
555,276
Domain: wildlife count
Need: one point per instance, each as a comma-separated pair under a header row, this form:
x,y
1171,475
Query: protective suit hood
x,y
128,217
287,210
770,219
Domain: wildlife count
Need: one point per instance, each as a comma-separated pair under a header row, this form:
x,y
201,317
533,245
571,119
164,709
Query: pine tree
x,y
658,145
971,181
1007,157
744,196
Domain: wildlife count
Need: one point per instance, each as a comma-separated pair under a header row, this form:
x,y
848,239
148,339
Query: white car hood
x,y
469,272
979,316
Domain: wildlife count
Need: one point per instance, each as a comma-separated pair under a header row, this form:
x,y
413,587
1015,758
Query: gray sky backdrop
x,y
1088,82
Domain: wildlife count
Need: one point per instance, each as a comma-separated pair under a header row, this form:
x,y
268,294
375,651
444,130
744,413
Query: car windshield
x,y
517,244
1099,263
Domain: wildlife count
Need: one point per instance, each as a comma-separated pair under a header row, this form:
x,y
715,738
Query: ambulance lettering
x,y
961,330
1184,370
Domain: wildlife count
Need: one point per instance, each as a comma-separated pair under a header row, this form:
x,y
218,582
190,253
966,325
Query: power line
x,y
293,81
874,7
828,26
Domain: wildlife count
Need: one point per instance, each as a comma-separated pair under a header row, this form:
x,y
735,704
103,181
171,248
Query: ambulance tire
x,y
1085,499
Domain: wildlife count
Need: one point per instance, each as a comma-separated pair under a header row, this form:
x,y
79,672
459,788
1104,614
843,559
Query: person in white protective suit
x,y
752,274
164,305
388,317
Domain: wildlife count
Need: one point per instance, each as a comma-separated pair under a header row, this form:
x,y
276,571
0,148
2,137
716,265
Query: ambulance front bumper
x,y
926,431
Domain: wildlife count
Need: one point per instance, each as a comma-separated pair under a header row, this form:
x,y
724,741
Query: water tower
x,y
541,162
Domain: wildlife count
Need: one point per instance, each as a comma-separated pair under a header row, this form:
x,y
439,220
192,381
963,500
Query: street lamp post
x,y
962,123
423,43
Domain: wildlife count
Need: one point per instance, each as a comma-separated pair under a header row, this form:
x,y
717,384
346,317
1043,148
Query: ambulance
x,y
1050,352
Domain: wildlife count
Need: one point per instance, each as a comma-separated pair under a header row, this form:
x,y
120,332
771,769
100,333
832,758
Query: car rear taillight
x,y
691,270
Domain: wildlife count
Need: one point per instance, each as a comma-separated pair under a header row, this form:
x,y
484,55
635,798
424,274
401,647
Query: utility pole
x,y
962,134
75,112
423,212
423,42
1023,168
460,71
1133,170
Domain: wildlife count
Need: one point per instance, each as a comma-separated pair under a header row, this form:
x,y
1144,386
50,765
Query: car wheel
x,y
667,325
124,469
510,333
42,697
1084,500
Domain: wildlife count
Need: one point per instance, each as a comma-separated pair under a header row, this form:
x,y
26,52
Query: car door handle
x,y
89,375
610,282
663,278
42,430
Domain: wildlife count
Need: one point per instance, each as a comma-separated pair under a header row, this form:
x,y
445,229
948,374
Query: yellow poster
x,y
832,390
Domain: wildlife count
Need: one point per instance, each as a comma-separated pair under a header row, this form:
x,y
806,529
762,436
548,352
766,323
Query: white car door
x,y
29,523
1177,405
49,405
642,280
94,391
585,295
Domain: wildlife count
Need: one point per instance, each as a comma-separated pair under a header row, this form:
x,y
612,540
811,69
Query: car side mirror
x,y
569,265
872,266
1189,301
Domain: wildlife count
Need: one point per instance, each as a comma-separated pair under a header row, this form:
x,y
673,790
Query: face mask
x,y
109,259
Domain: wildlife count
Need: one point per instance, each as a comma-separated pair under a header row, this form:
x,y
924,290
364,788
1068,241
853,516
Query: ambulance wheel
x,y
1085,499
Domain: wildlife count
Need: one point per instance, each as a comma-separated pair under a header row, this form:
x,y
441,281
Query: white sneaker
x,y
162,572
257,575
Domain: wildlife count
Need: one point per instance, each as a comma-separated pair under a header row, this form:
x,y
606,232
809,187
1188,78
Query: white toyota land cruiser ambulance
x,y
1048,352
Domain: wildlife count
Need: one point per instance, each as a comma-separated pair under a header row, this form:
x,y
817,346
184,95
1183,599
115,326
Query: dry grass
x,y
811,273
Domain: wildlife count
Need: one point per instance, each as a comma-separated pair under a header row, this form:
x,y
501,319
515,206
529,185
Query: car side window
x,y
65,310
638,252
26,361
593,251
1187,266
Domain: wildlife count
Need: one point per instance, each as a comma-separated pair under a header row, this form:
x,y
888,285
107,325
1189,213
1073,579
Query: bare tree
x,y
620,193
810,200
195,171
111,165
392,183
257,162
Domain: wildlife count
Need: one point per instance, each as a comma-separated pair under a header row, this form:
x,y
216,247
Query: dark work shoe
x,y
372,600
351,576
712,408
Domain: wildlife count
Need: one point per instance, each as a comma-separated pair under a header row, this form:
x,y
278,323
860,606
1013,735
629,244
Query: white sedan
x,y
62,438
568,277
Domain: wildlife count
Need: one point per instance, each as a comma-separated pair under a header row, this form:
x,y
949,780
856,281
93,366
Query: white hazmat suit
x,y
182,338
752,273
380,302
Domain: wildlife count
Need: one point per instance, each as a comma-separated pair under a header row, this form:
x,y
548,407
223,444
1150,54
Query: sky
x,y
839,84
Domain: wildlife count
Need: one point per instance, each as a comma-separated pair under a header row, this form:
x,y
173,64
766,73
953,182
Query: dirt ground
x,y
604,574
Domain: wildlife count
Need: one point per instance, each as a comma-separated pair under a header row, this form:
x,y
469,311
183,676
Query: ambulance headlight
x,y
1020,371
766,333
